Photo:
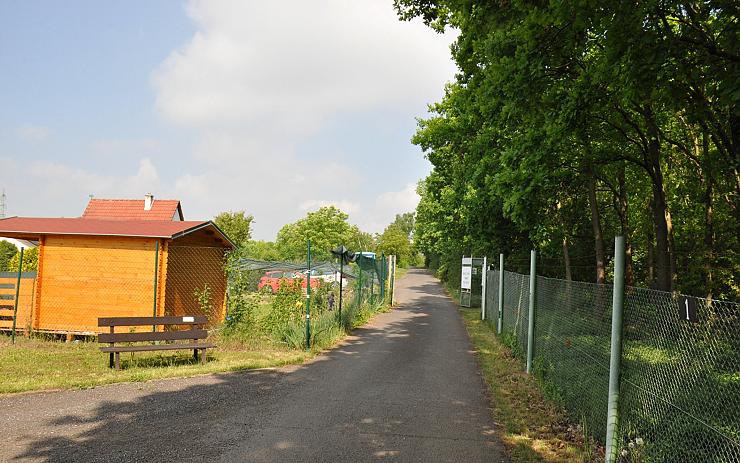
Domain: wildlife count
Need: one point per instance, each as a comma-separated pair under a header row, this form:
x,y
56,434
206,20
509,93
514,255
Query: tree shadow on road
x,y
392,391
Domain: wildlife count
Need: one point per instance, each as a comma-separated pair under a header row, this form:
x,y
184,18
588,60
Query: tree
x,y
327,228
560,117
236,225
260,250
7,251
395,241
30,260
405,222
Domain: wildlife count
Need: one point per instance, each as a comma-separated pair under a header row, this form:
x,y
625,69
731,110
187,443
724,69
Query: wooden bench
x,y
193,335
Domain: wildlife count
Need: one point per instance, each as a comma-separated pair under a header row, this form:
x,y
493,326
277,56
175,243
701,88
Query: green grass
x,y
533,428
40,364
43,363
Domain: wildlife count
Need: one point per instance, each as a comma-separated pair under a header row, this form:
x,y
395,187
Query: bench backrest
x,y
193,333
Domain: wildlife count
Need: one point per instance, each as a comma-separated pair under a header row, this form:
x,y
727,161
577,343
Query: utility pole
x,y
3,209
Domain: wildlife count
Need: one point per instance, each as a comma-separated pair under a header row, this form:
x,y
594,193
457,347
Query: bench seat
x,y
157,347
191,336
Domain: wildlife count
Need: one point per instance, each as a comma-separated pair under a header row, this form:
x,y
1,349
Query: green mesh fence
x,y
679,380
680,383
268,298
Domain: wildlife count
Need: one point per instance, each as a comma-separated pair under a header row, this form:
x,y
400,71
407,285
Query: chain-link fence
x,y
679,372
680,387
271,298
81,279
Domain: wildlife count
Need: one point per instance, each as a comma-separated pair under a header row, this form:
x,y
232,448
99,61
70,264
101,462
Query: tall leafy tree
x,y
327,228
571,122
236,225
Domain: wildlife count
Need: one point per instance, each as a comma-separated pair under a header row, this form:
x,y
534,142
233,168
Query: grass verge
x,y
34,364
43,363
532,428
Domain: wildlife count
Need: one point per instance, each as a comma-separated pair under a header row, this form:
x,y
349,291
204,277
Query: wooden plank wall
x,y
25,300
86,277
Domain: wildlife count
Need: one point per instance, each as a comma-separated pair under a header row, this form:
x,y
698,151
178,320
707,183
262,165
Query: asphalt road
x,y
404,388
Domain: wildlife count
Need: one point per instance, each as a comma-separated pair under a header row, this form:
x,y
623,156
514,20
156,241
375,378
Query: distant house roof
x,y
133,209
32,228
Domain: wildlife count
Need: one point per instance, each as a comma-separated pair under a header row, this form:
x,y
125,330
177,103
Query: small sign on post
x,y
687,309
467,279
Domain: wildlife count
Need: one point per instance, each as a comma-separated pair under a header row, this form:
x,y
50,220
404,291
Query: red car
x,y
277,278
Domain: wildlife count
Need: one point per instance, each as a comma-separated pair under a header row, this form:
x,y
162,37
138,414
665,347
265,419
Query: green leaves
x,y
236,225
327,228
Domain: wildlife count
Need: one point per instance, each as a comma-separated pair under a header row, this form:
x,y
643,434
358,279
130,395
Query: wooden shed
x,y
90,268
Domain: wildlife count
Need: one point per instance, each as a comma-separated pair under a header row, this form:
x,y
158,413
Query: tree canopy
x,y
568,124
327,228
236,225
396,239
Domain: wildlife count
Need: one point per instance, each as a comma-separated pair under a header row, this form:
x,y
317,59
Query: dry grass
x,y
533,429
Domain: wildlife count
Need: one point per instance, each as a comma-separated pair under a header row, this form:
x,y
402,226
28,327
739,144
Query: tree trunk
x,y
661,216
599,247
650,241
566,259
708,223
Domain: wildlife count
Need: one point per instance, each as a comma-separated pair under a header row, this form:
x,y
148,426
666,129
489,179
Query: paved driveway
x,y
404,388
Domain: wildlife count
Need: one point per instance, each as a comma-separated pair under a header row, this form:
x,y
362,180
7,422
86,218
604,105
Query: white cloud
x,y
258,78
44,185
285,66
33,133
386,206
344,205
252,91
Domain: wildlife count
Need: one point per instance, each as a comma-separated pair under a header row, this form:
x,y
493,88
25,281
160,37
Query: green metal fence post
x,y
372,283
156,274
308,296
500,293
17,294
612,415
359,281
341,280
382,277
532,304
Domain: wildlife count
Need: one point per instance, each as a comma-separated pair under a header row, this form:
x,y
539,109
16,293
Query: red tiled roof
x,y
131,209
31,226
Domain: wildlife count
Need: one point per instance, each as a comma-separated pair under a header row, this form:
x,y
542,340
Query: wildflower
x,y
639,441
631,445
624,452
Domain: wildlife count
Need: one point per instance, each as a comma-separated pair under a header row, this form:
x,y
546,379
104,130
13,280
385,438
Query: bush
x,y
30,260
287,306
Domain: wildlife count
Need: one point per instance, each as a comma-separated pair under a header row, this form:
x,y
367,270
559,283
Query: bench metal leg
x,y
118,360
203,357
110,360
195,354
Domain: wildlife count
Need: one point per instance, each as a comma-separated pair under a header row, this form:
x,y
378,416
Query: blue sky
x,y
275,108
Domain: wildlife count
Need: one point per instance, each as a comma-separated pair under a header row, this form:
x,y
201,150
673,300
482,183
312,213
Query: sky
x,y
275,108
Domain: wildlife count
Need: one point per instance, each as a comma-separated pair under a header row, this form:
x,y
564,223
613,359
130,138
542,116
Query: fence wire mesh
x,y
679,379
80,280
680,387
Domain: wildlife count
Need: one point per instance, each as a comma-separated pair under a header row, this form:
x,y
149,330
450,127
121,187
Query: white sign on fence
x,y
466,281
